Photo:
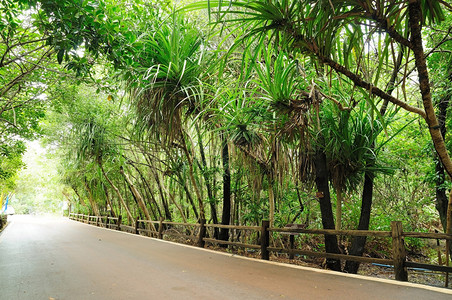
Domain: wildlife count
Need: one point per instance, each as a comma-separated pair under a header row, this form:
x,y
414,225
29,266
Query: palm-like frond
x,y
166,74
350,142
240,118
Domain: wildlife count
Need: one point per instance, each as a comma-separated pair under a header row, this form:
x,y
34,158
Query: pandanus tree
x,y
316,29
86,128
298,116
236,123
164,82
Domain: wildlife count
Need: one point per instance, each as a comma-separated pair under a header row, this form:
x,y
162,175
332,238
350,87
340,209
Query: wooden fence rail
x,y
161,228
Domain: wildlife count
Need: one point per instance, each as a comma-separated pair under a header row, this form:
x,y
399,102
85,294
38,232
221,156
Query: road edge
x,y
356,276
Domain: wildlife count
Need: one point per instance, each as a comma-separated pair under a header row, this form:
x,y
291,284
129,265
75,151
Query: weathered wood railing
x,y
200,235
232,243
101,221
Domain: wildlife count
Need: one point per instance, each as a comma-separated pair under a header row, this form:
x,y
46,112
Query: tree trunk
x,y
162,196
207,180
359,242
80,199
226,215
188,194
442,200
171,196
92,202
441,196
148,191
107,196
338,208
271,202
136,193
121,199
415,19
202,215
323,194
272,175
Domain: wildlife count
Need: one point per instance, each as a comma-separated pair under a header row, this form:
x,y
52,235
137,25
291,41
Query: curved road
x,y
55,258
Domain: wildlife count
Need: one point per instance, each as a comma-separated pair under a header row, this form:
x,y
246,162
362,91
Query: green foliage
x,y
39,189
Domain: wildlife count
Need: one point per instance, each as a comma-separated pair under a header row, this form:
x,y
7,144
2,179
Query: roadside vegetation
x,y
332,114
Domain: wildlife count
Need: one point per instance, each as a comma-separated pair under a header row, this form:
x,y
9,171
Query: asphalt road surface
x,y
56,258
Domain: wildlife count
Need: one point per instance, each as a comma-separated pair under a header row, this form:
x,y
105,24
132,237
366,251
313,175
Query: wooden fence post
x,y
97,221
160,234
136,226
291,246
119,223
202,233
398,251
265,240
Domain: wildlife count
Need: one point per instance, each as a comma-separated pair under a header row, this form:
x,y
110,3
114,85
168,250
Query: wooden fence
x,y
200,234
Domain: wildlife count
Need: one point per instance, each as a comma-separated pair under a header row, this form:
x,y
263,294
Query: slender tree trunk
x,y
137,194
441,196
359,242
171,196
202,214
140,213
65,195
226,215
415,19
162,196
80,199
449,230
443,203
338,208
92,202
272,180
148,191
107,196
321,180
118,193
188,194
271,202
207,180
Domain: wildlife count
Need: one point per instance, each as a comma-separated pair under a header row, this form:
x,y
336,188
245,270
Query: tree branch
x,y
371,88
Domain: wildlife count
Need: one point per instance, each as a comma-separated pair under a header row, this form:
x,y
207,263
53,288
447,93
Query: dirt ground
x,y
430,278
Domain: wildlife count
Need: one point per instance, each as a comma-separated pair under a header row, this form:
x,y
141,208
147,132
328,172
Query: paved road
x,y
55,258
